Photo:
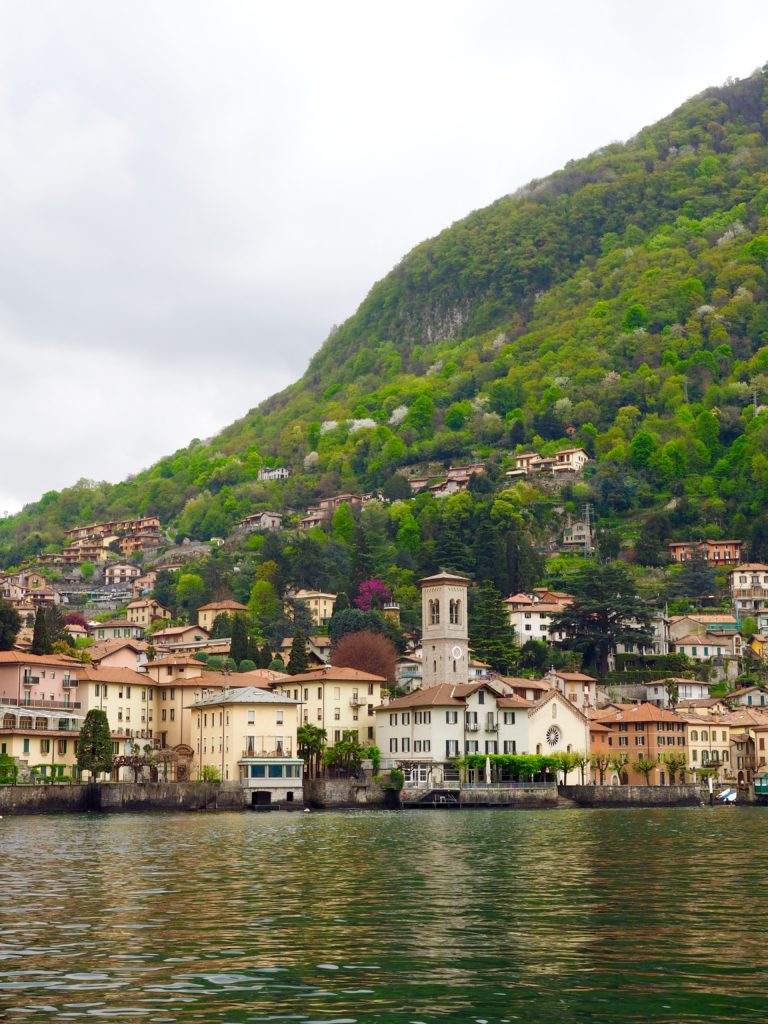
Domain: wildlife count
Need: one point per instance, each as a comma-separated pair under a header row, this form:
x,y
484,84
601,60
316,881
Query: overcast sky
x,y
192,194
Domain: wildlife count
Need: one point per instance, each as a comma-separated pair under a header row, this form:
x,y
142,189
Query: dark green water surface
x,y
478,916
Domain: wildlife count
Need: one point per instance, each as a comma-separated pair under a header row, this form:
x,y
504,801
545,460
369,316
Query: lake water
x,y
469,916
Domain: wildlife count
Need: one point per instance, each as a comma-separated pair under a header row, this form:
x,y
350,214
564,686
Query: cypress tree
x,y
41,640
94,743
238,648
491,637
299,659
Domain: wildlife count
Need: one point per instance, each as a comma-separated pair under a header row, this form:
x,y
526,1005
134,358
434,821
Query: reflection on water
x,y
479,916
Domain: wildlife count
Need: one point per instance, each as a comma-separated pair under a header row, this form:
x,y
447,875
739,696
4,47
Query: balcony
x,y
284,751
356,702
31,680
491,727
47,705
471,726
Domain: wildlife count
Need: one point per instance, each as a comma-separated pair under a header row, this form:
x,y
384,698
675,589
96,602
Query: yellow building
x,y
248,735
708,741
320,605
145,611
206,613
338,700
42,740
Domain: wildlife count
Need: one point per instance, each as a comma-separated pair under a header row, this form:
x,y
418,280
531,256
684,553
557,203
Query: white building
x,y
748,585
687,689
427,730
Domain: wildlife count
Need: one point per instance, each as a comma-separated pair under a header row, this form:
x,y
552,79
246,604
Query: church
x,y
450,716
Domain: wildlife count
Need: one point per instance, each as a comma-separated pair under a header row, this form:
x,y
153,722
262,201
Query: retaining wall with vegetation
x,y
684,795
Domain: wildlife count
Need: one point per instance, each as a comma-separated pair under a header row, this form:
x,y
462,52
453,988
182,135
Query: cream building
x,y
338,700
319,604
206,613
709,745
145,610
248,735
42,740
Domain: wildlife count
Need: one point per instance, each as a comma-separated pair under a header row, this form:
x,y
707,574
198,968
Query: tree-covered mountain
x,y
619,304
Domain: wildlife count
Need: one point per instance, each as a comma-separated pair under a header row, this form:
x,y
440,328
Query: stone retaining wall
x,y
111,797
686,795
322,793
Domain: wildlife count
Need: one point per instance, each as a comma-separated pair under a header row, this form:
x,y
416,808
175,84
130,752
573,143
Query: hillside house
x,y
260,521
714,552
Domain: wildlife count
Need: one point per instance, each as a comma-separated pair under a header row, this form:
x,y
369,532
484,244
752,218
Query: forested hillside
x,y
619,305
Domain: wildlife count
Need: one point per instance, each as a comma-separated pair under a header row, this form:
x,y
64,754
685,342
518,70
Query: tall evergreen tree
x,y
41,641
606,611
491,637
94,743
299,659
238,647
10,624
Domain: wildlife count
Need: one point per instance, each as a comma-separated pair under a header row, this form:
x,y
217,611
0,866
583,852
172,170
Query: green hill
x,y
619,304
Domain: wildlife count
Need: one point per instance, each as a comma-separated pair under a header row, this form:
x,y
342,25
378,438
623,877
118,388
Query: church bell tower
x,y
444,637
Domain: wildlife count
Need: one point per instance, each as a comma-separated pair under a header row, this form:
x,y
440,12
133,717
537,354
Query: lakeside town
x,y
199,701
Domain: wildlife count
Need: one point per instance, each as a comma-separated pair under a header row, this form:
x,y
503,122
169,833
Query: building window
x,y
406,718
451,717
393,746
406,745
510,746
451,748
173,714
279,717
251,716
337,693
454,612
337,714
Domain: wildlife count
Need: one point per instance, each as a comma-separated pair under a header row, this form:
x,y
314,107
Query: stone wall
x,y
111,797
687,795
532,797
348,793
43,799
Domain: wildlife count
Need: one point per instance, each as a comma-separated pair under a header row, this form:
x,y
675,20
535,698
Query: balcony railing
x,y
491,727
356,702
49,705
284,751
471,726
31,680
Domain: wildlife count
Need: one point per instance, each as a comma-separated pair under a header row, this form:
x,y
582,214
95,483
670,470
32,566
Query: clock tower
x,y
444,637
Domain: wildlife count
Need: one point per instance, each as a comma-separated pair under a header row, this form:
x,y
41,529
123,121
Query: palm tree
x,y
311,745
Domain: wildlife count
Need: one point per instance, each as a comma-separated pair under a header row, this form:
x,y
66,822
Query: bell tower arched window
x,y
434,613
454,612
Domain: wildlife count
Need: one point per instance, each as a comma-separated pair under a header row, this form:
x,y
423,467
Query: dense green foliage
x,y
94,744
619,304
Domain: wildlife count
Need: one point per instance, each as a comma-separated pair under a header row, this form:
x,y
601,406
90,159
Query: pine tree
x,y
10,624
94,743
238,647
491,637
41,641
299,659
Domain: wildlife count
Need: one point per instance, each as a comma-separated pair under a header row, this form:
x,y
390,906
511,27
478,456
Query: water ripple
x,y
608,917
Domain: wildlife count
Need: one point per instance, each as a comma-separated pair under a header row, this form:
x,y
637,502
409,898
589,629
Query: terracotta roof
x,y
117,623
513,701
577,677
90,673
177,630
17,658
699,702
223,606
101,648
696,617
440,696
530,684
556,695
644,712
174,659
595,726
333,673
750,567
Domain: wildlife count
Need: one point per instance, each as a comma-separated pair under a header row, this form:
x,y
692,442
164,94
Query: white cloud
x,y
191,193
